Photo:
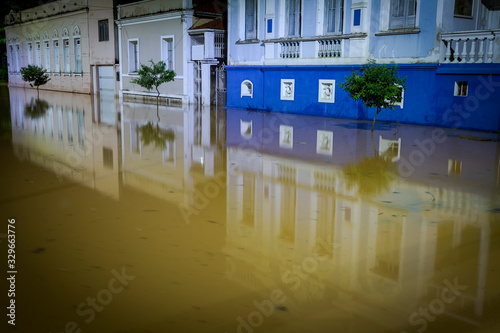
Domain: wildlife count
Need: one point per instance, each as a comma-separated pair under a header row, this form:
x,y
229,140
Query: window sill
x,y
248,41
404,31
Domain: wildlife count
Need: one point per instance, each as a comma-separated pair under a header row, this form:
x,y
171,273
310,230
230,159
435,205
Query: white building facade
x,y
72,40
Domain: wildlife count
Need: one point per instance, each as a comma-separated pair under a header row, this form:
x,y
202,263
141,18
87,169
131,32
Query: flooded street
x,y
133,220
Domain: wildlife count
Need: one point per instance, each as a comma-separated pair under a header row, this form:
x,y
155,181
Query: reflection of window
x,y
324,142
388,248
334,13
463,7
250,19
286,136
403,13
133,56
292,18
107,157
461,88
69,128
81,129
390,149
248,199
103,30
454,167
246,129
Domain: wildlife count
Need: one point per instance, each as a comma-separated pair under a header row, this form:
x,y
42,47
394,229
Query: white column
x,y
209,45
205,84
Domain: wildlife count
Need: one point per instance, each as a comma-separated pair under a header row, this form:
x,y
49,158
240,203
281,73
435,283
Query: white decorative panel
x,y
326,91
287,89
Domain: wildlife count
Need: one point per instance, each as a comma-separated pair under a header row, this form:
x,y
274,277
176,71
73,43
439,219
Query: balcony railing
x,y
290,49
330,48
469,47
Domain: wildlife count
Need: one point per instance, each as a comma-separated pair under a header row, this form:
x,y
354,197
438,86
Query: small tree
x,y
35,74
376,85
154,76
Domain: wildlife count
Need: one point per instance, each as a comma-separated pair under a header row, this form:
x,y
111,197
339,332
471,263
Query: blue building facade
x,y
290,55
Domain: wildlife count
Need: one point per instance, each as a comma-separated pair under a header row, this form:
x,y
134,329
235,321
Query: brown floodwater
x,y
130,219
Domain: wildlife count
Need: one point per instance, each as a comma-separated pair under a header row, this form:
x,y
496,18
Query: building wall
x,y
77,23
418,50
149,36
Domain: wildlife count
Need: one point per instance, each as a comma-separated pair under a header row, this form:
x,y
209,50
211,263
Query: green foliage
x,y
35,74
153,76
4,73
376,85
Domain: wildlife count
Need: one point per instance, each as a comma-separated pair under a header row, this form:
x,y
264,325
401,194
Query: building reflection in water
x,y
346,231
309,208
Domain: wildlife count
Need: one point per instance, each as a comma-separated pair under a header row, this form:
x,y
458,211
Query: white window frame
x,y
12,59
323,97
164,51
77,52
246,88
133,69
246,19
385,15
287,95
18,57
66,56
298,20
57,55
38,53
30,53
339,18
459,89
46,54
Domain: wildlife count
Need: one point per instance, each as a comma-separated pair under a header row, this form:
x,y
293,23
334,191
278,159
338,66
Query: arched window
x,y
247,88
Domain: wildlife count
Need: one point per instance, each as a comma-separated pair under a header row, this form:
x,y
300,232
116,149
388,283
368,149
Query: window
x,y
78,55
56,57
103,30
403,13
334,16
67,66
18,58
292,17
30,53
133,56
463,8
38,54
167,51
47,55
461,88
251,19
247,88
12,59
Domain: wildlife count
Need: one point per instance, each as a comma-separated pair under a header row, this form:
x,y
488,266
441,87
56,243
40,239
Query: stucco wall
x,y
149,36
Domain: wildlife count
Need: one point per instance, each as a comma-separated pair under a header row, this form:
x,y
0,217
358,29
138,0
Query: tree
x,y
376,85
154,76
35,74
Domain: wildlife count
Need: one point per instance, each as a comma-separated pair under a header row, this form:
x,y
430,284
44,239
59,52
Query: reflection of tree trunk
x,y
37,93
374,118
157,103
373,145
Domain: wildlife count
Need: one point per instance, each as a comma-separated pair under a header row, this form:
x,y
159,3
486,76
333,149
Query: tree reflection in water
x,y
36,108
154,134
371,175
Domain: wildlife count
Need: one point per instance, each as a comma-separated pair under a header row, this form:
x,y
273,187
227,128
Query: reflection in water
x,y
153,134
36,108
250,222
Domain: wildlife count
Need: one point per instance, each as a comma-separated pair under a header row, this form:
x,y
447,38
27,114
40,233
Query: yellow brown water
x,y
228,221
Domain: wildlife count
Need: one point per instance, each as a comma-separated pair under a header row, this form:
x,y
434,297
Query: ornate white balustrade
x,y
290,49
468,47
330,48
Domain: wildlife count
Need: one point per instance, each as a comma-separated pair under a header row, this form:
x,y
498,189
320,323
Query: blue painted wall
x,y
429,98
